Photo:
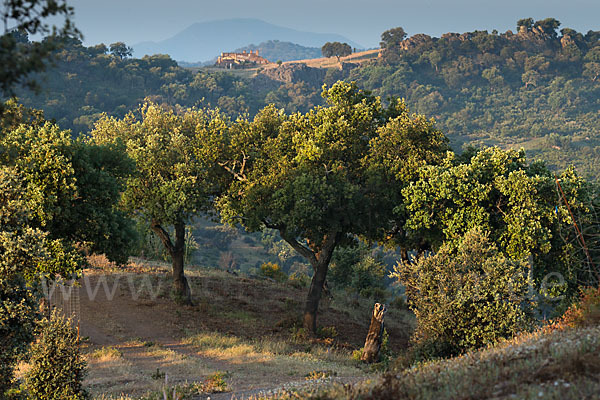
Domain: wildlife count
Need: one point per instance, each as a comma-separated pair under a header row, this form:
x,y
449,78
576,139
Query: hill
x,y
536,88
205,40
274,50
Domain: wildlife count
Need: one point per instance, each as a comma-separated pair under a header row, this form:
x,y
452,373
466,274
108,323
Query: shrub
x,y
299,279
466,296
369,274
273,271
57,367
356,267
328,332
584,312
18,314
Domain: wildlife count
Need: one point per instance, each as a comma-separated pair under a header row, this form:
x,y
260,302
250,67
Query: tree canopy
x,y
318,178
392,37
121,50
336,49
499,192
175,176
18,57
58,197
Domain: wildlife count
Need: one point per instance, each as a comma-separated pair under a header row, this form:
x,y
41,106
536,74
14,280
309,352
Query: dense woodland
x,y
536,88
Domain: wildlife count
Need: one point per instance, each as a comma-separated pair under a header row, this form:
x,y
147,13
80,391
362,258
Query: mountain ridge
x,y
230,34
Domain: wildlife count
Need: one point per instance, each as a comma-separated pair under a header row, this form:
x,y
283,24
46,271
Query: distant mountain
x,y
274,50
206,40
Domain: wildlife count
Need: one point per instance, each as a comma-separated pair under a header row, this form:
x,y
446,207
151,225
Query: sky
x,y
134,21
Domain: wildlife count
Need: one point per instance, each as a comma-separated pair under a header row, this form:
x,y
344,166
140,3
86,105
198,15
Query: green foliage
x,y
303,167
499,88
327,332
57,367
177,177
473,83
73,185
86,82
19,58
467,295
499,192
171,182
121,50
357,267
282,51
336,49
392,38
322,177
50,202
22,250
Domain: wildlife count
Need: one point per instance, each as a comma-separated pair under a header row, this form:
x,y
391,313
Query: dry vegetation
x,y
332,62
243,330
563,364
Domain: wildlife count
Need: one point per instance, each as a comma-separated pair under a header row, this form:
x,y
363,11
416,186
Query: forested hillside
x,y
537,88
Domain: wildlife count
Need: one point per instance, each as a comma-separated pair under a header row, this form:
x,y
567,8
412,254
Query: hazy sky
x,y
363,21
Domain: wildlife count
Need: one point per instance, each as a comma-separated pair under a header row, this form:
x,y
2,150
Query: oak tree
x,y
321,178
336,49
56,195
172,182
500,192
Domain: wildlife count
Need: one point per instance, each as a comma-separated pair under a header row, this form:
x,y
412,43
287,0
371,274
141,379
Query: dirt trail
x,y
152,335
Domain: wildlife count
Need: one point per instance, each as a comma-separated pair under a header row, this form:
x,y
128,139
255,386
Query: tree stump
x,y
374,337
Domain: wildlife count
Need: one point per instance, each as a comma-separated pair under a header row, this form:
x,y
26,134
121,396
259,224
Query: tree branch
x,y
163,235
240,176
302,250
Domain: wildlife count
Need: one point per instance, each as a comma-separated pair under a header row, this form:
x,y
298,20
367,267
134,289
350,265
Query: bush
x,y
369,274
585,312
466,296
18,314
299,279
356,267
273,271
57,367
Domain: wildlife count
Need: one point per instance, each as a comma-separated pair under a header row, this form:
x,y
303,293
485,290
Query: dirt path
x,y
156,339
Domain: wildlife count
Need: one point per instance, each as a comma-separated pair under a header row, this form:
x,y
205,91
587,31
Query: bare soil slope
x,y
135,335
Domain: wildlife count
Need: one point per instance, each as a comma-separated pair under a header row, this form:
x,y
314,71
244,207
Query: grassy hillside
x,y
558,365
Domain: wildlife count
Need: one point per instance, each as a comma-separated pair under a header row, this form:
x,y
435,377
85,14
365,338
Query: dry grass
x,y
240,325
332,62
558,365
105,354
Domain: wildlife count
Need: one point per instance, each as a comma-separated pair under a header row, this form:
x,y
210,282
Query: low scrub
x,y
57,367
465,297
583,313
273,271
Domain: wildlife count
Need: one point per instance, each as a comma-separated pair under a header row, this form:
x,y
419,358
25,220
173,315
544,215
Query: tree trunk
x,y
375,336
314,296
180,283
319,255
181,288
